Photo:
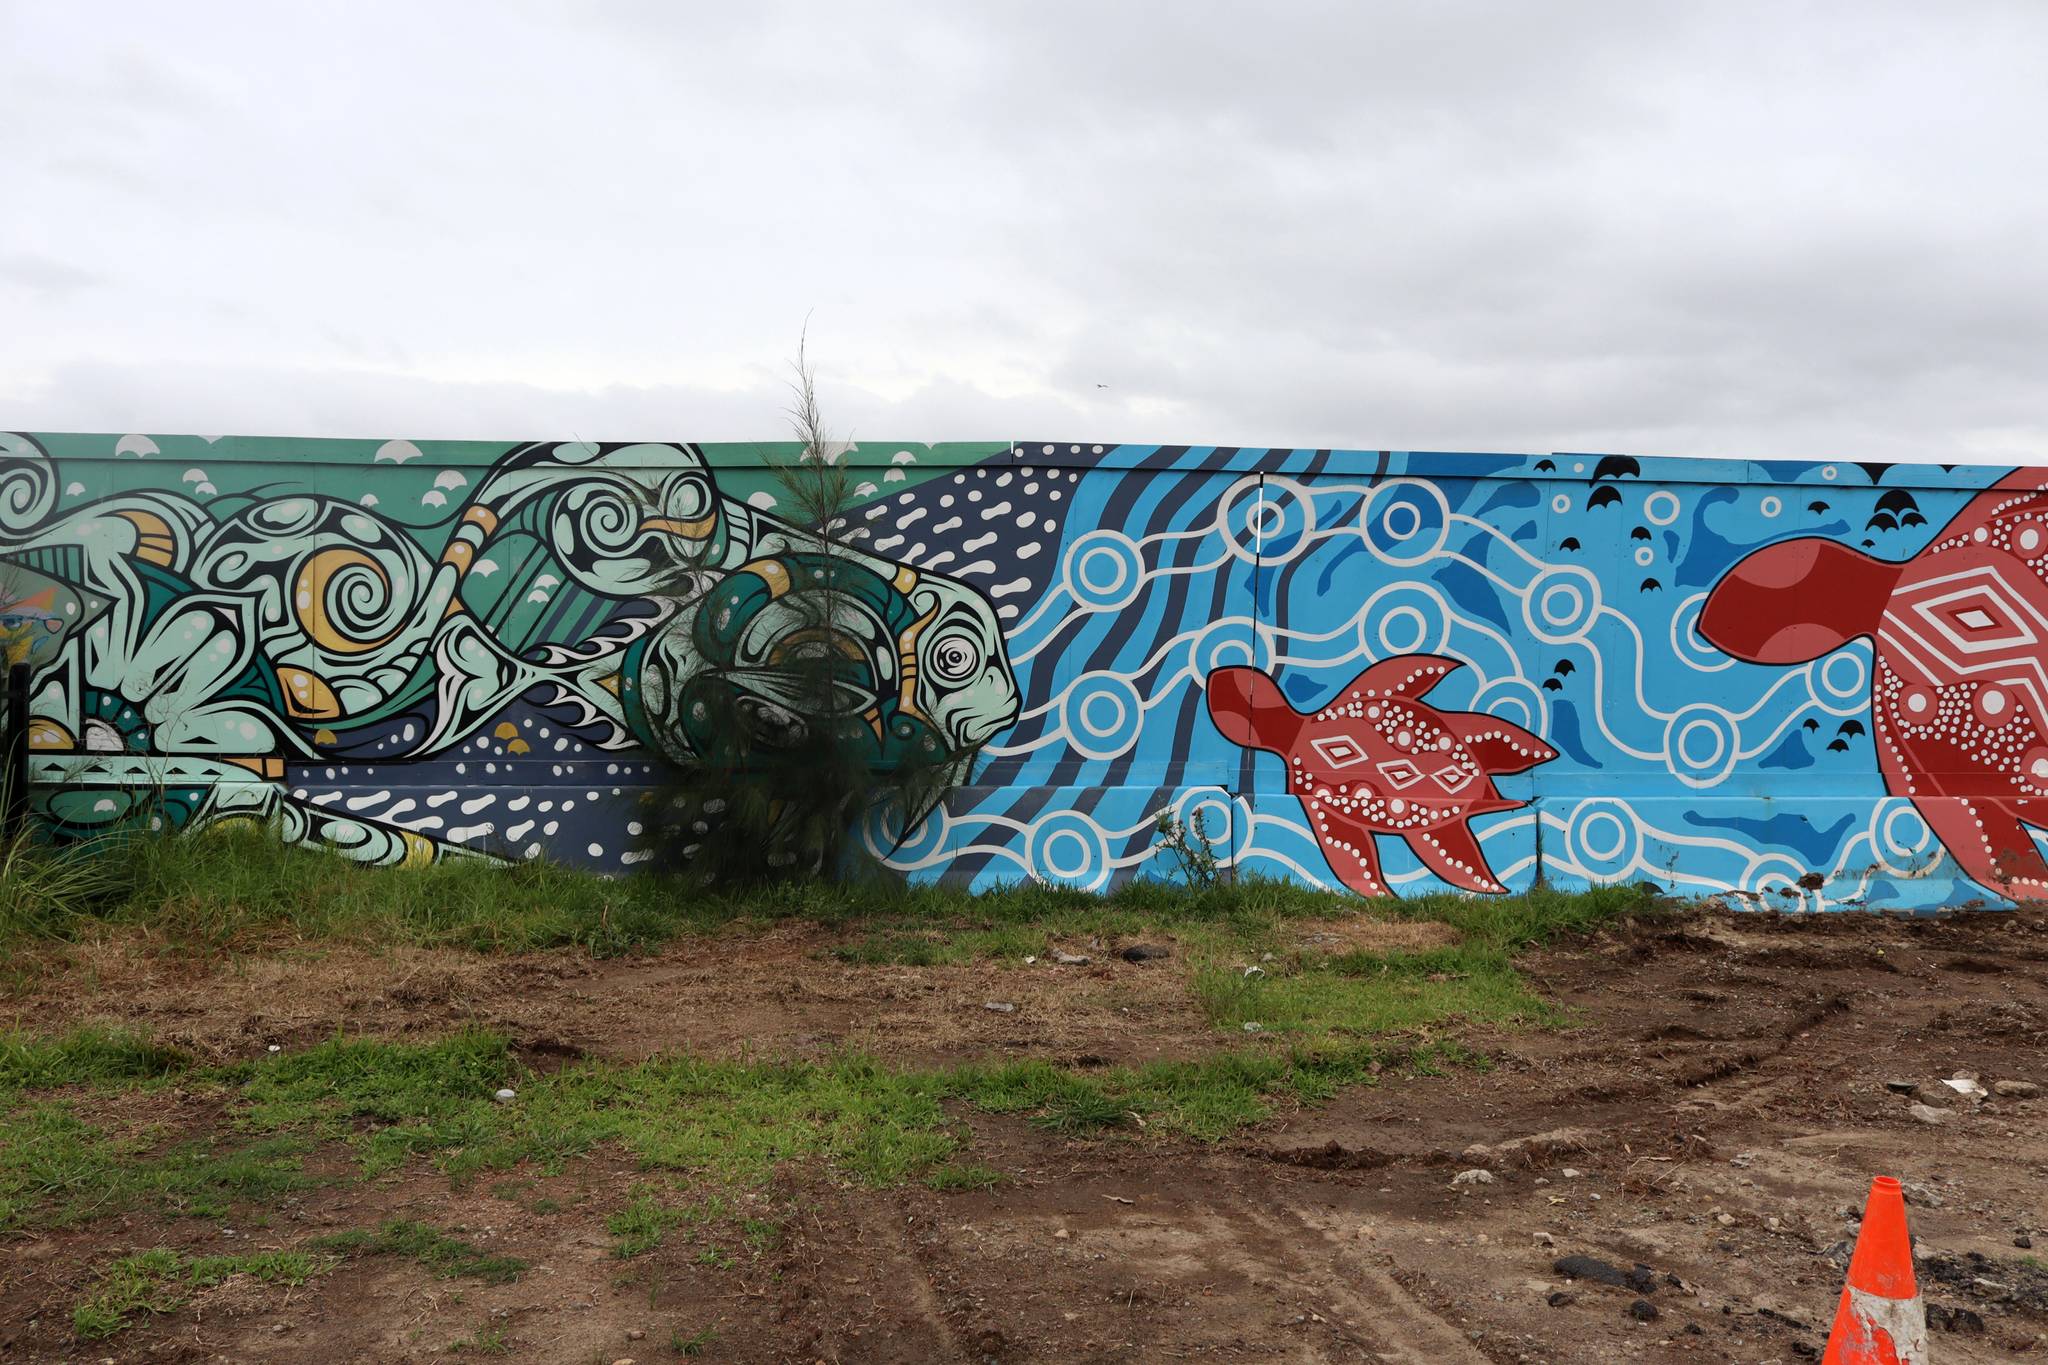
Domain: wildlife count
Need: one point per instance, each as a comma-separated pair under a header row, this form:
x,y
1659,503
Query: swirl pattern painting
x,y
1797,686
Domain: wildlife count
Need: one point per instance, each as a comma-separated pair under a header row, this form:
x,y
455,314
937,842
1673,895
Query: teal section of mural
x,y
1794,685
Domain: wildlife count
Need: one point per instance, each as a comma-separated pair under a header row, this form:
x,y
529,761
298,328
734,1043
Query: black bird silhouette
x,y
1568,543
1812,724
1883,521
1546,466
1874,469
1840,746
1897,500
1640,533
1564,666
1614,466
1650,585
1602,497
1912,519
1816,506
1868,544
1552,685
1850,727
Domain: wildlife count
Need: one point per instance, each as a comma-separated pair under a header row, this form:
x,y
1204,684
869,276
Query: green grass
x,y
57,1171
642,1223
163,1281
964,1177
734,1123
1326,1021
241,887
488,1340
449,1257
695,1344
83,1057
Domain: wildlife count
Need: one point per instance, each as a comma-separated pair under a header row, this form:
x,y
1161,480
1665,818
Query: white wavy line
x,y
1463,520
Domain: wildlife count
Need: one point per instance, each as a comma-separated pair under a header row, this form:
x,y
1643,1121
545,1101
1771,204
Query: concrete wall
x,y
1810,686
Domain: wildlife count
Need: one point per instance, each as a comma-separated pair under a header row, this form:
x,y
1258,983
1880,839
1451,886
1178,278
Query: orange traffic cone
x,y
1880,1320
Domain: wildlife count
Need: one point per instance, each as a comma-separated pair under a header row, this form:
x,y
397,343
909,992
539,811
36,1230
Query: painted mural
x,y
1802,686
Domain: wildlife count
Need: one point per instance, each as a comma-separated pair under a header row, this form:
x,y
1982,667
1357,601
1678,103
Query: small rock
x,y
1902,1087
1918,1192
1641,1278
1061,1235
1478,1151
1742,1159
1642,1310
1250,1027
1145,952
1943,1318
1475,1176
1255,970
1965,1085
1544,1239
1726,1220
636,1335
1562,1297
2016,1090
1571,1173
506,1096
1071,959
999,1006
275,1048
1031,960
2023,1242
1929,1114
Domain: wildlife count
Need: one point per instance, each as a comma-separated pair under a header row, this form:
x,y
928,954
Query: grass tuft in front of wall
x,y
243,888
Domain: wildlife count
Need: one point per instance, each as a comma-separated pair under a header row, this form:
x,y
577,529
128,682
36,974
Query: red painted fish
x,y
1377,761
1959,689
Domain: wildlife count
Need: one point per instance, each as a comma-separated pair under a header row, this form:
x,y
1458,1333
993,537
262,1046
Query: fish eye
x,y
955,659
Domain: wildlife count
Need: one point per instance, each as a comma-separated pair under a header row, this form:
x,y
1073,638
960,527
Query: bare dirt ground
x,y
1719,1104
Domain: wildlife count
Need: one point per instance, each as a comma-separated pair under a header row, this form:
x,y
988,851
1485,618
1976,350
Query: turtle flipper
x,y
1989,843
1349,849
1797,600
1452,852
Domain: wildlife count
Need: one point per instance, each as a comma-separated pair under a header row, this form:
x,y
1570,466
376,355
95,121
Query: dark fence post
x,y
17,749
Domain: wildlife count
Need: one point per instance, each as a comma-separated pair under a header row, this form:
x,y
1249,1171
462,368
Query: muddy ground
x,y
1718,1108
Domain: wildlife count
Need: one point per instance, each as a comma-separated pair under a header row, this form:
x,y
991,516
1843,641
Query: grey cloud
x,y
1744,229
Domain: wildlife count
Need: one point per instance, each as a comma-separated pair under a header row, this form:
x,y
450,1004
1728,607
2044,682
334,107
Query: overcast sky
x,y
1773,229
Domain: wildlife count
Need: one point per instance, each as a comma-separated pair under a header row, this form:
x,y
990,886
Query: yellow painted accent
x,y
323,737
459,553
771,572
906,578
154,541
262,767
506,730
482,516
44,733
307,695
610,683
518,746
309,598
699,529
906,643
419,851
